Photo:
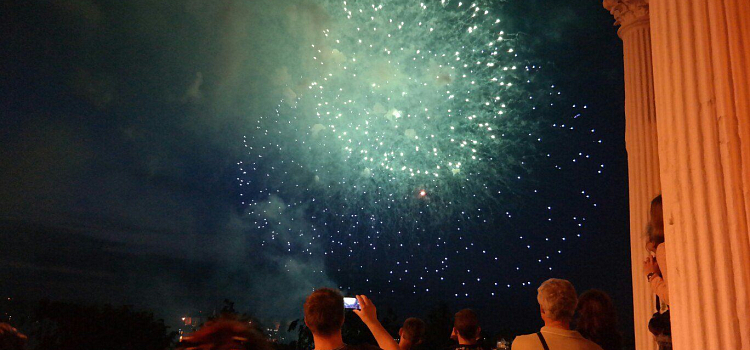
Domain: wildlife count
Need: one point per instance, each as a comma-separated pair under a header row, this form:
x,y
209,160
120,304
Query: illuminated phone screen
x,y
351,303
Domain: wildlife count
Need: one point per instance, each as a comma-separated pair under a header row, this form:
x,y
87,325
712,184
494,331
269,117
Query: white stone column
x,y
641,144
701,56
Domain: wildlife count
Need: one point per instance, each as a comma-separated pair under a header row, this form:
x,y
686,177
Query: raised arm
x,y
368,314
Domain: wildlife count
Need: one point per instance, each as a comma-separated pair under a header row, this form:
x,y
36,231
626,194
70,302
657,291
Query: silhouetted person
x,y
324,315
597,320
557,304
466,330
411,333
225,334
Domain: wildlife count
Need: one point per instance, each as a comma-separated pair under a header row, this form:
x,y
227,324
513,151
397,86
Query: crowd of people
x,y
596,324
324,316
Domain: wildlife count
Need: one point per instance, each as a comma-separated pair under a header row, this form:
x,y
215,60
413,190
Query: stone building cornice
x,y
627,12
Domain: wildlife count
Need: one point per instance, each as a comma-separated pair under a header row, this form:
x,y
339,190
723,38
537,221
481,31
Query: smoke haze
x,y
121,124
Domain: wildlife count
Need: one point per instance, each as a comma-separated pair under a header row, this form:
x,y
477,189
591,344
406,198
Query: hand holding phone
x,y
369,316
367,311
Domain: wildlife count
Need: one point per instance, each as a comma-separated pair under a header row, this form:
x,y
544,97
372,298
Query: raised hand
x,y
367,311
369,316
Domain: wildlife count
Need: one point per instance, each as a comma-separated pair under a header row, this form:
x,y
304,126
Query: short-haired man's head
x,y
466,324
558,299
413,329
324,311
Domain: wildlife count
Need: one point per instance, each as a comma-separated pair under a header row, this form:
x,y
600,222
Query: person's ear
x,y
541,309
401,333
479,331
454,335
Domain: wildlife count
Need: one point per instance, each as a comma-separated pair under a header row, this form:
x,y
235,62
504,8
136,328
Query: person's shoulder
x,y
361,347
526,341
590,345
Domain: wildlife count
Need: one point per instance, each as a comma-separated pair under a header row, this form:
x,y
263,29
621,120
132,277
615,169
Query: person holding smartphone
x,y
324,316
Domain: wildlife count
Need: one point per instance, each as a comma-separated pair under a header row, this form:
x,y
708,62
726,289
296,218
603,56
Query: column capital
x,y
627,12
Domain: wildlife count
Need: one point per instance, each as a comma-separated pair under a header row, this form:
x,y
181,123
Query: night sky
x,y
168,155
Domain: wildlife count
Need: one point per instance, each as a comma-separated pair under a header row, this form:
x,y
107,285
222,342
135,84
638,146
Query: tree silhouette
x,y
68,326
439,325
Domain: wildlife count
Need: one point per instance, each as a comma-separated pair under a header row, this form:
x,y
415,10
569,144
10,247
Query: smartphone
x,y
351,303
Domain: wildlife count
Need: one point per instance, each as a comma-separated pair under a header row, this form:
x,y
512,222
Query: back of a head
x,y
10,338
467,324
324,311
414,329
225,334
558,299
596,314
